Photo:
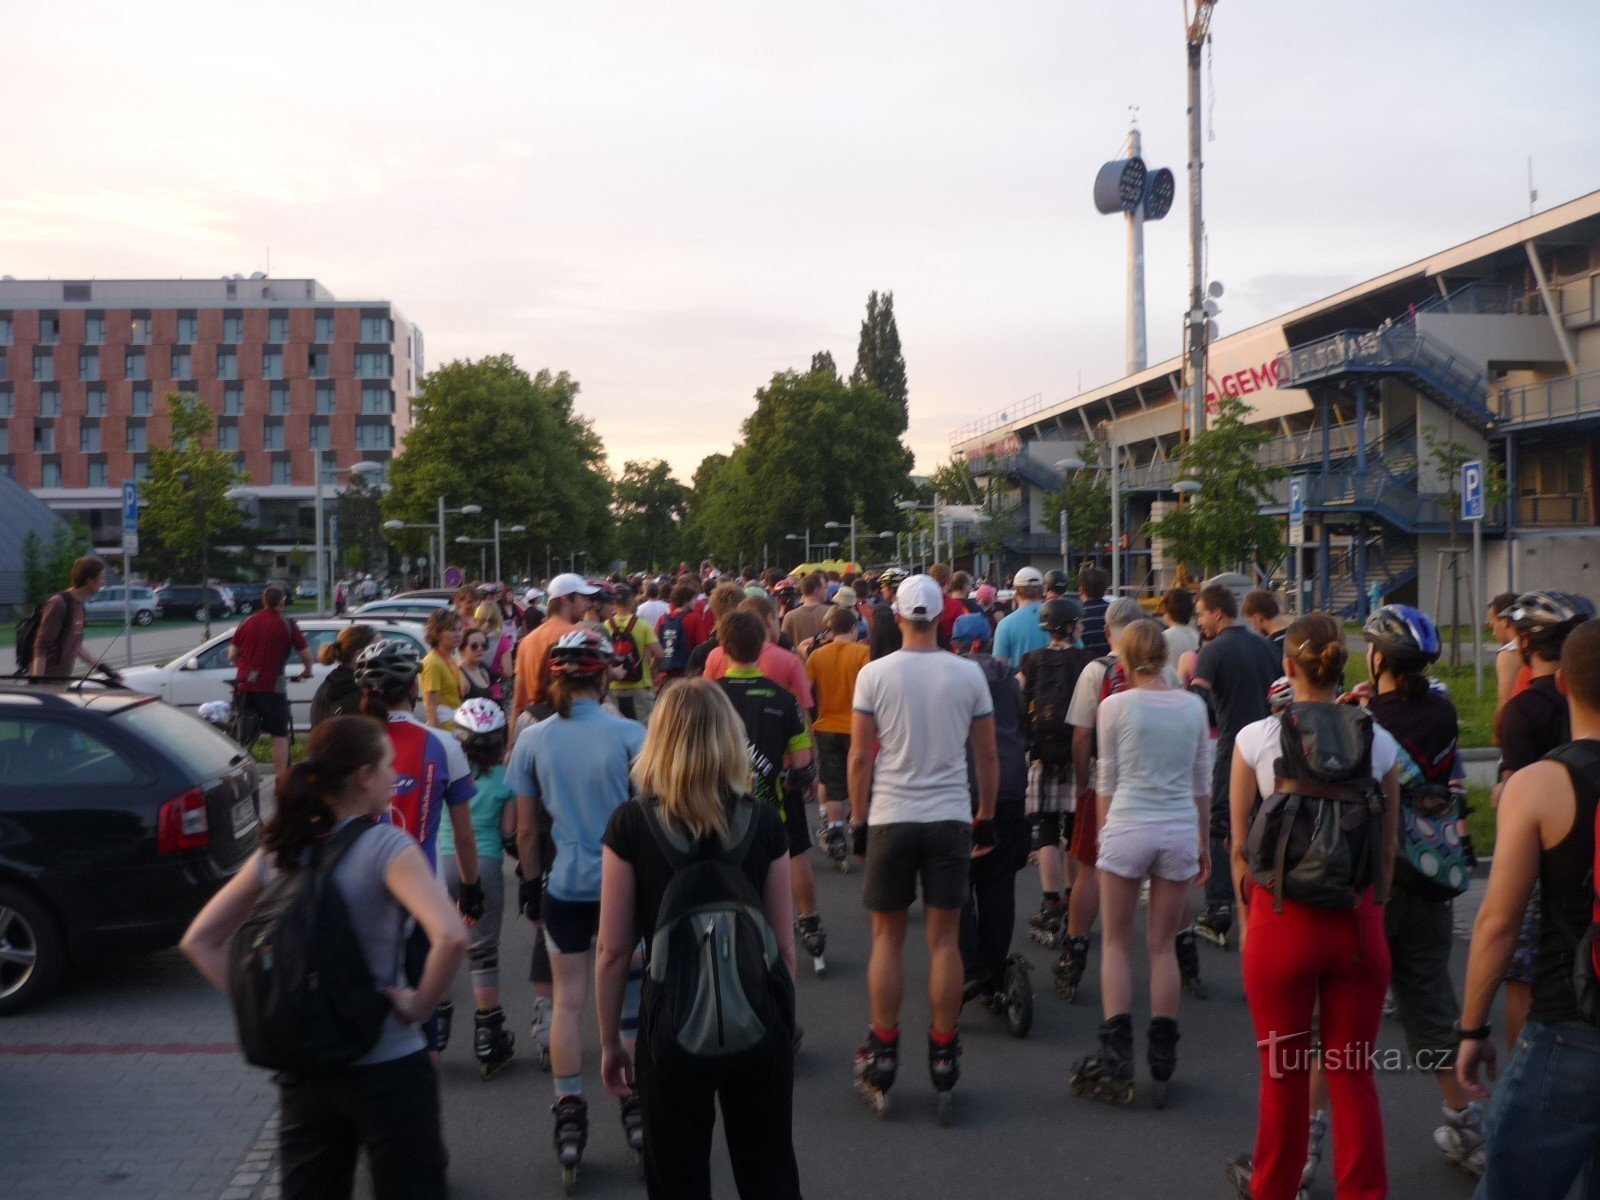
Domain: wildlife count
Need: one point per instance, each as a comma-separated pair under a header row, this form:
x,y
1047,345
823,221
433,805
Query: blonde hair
x,y
693,755
488,617
1142,647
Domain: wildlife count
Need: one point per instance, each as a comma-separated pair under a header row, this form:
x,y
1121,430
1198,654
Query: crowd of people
x,y
648,750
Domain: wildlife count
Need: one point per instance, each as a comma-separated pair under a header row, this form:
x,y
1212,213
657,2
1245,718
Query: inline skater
x,y
1020,631
832,670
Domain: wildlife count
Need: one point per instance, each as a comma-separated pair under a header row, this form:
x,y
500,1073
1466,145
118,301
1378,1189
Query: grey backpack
x,y
716,985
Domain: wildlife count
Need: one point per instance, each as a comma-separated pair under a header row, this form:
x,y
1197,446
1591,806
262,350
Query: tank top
x,y
1567,901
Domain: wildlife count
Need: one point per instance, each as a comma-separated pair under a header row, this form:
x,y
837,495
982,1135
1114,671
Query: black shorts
x,y
271,708
794,822
833,765
570,926
938,853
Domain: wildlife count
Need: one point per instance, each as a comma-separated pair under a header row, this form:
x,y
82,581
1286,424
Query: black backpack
x,y
1052,677
674,642
28,631
1317,839
626,650
1583,765
716,985
303,997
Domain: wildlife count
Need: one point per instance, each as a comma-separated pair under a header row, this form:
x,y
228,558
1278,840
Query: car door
x,y
202,675
106,603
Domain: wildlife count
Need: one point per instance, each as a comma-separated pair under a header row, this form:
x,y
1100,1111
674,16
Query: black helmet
x,y
1061,614
1403,634
387,666
1546,617
1055,580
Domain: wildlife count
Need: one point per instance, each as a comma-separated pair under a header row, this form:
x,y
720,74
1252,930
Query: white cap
x,y
1027,577
919,598
570,585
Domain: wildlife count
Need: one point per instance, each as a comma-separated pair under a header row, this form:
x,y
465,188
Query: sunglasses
x,y
477,645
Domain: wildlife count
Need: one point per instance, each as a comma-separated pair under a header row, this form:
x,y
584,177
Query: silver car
x,y
108,602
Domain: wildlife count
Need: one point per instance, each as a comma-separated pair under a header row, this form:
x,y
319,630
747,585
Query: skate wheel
x,y
842,866
820,965
1125,1097
638,1162
1018,1000
877,1101
569,1180
1079,1085
947,1107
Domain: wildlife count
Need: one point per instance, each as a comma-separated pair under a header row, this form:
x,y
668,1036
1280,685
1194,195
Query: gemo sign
x,y
1246,368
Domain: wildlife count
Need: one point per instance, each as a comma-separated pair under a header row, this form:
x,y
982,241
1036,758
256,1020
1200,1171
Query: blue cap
x,y
970,627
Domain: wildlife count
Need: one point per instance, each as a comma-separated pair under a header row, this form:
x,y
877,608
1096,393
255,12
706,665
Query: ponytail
x,y
352,640
565,689
337,749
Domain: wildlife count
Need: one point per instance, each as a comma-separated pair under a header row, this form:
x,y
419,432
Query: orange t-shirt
x,y
832,670
533,657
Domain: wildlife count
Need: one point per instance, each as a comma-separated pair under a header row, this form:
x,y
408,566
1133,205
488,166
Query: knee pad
x,y
483,958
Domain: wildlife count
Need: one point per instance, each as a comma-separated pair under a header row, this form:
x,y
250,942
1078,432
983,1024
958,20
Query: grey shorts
x,y
1050,789
1167,851
1420,934
899,855
833,765
486,933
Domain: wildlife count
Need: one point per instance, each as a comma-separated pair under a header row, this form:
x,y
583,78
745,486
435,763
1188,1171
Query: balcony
x,y
1569,398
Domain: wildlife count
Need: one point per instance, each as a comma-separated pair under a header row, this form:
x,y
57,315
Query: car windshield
x,y
190,740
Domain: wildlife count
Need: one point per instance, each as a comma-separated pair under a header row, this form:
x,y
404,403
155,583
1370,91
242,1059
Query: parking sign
x,y
130,518
1472,500
1297,512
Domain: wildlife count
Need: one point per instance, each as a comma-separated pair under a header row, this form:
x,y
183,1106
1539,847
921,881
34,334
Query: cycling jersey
x,y
430,774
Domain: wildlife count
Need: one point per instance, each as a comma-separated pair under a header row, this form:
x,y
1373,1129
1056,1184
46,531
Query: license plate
x,y
244,815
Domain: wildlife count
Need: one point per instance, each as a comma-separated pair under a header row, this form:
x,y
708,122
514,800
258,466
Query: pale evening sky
x,y
673,200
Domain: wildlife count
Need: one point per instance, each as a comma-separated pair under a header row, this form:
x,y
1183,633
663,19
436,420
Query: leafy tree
x,y
822,361
650,506
1223,525
360,511
47,565
187,510
952,482
485,432
1086,497
878,357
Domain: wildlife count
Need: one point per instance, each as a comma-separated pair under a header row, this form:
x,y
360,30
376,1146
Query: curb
x,y
257,1177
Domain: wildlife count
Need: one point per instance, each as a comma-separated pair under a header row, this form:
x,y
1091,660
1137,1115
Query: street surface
x,y
126,1085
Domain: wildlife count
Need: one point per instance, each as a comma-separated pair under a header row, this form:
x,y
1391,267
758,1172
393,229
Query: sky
x,y
674,200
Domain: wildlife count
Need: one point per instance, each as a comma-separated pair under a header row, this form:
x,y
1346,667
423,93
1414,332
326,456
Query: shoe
x,y
1461,1137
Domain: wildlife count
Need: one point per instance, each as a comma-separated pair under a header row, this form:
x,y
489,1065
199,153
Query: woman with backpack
x,y
339,694
573,767
490,618
694,835
1299,955
385,1100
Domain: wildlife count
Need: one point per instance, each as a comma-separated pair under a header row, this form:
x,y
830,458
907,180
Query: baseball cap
x,y
919,598
569,585
845,597
1027,577
971,627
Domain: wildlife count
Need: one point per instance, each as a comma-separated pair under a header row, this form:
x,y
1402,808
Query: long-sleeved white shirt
x,y
1155,755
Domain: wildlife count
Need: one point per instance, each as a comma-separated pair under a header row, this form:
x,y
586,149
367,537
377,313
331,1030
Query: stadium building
x,y
1493,344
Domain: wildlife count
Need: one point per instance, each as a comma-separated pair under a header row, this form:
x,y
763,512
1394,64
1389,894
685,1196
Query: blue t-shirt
x,y
1019,634
577,766
488,805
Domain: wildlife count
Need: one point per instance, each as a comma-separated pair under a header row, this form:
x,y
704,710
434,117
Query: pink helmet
x,y
986,593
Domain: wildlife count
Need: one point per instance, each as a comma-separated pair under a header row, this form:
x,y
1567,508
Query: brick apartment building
x,y
292,375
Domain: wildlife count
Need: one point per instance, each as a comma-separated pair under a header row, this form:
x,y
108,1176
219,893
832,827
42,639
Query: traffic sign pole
x,y
1297,534
130,547
1472,509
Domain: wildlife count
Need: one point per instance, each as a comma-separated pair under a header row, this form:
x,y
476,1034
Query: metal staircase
x,y
1430,366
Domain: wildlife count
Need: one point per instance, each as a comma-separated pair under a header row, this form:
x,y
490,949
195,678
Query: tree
x,y
359,509
485,432
952,483
650,506
878,357
1086,498
187,510
47,565
822,361
1222,525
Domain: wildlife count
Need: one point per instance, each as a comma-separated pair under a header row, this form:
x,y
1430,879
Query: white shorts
x,y
1167,851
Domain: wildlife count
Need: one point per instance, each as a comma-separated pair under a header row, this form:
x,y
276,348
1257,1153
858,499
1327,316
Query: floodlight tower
x,y
1125,185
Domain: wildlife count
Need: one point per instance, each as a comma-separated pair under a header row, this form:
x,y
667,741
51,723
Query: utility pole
x,y
1199,29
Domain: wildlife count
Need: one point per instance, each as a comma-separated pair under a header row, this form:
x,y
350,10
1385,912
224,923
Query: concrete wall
x,y
1489,339
1446,428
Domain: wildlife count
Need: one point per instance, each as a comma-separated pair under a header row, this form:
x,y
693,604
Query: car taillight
x,y
181,823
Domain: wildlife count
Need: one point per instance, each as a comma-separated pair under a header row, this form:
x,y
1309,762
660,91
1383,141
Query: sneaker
x,y
1461,1137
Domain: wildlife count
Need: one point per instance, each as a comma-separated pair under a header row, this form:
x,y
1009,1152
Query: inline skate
x,y
1214,924
491,1041
836,842
944,1068
1070,967
571,1136
444,1018
809,932
875,1064
633,1127
1108,1073
540,1030
1045,926
1189,963
1162,1053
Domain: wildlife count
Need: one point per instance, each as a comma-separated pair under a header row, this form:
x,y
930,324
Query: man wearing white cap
x,y
1021,632
922,706
568,600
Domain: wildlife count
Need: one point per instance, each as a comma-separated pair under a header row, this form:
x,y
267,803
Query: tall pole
x,y
1475,599
1066,563
936,527
318,540
438,567
497,549
1136,346
1116,515
1197,33
852,539
205,573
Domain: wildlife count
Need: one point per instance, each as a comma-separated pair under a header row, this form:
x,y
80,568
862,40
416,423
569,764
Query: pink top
x,y
777,664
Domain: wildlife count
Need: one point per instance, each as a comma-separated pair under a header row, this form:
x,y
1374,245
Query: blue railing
x,y
1563,399
1399,349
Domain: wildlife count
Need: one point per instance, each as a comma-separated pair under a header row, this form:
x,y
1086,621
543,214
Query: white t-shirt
x,y
1086,693
1259,744
924,702
1180,640
1155,756
652,611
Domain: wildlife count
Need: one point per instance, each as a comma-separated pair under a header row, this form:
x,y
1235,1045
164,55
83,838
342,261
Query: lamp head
x,y
471,510
394,524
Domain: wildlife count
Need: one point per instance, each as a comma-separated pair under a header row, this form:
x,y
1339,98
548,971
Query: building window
x,y
272,435
6,469
279,400
139,331
77,293
374,364
44,365
6,330
227,435
278,327
44,439
227,363
141,469
94,400
50,401
89,439
1553,484
50,475
377,400
188,328
377,329
238,466
136,441
89,363
5,439
272,364
49,329
143,401
318,362
319,436
282,471
233,327
8,401
182,363
374,437
94,329
233,400
324,327
97,474
133,363
327,398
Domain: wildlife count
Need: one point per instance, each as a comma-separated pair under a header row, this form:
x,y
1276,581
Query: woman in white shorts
x,y
1154,788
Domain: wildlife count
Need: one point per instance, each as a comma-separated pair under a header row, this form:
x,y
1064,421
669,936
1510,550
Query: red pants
x,y
1293,961
1085,844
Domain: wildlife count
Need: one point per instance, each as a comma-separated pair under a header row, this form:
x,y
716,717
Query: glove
x,y
983,834
530,897
858,839
470,900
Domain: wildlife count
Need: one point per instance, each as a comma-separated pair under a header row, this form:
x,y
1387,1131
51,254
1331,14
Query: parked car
x,y
188,600
204,674
121,816
308,589
107,605
406,606
247,596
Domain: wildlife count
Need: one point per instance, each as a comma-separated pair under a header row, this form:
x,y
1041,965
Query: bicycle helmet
x,y
387,666
1546,617
216,712
478,717
1403,634
581,654
1060,615
1055,580
1279,694
893,577
784,588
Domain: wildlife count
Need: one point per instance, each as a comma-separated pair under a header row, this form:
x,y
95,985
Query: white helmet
x,y
215,712
478,717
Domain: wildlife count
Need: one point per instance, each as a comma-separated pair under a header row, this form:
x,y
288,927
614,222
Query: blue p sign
x,y
1472,500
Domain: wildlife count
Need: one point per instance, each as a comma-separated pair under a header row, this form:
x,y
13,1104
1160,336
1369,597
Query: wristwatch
x,y
1480,1034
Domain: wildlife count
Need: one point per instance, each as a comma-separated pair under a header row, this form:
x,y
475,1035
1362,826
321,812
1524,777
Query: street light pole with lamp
x,y
322,472
467,510
438,554
795,537
851,527
913,506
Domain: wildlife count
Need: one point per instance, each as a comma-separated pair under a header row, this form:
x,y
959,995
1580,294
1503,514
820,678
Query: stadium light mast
x,y
1198,18
1127,186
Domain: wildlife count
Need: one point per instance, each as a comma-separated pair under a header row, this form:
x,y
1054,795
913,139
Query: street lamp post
x,y
795,537
851,527
434,552
1064,465
469,510
913,506
509,529
323,471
